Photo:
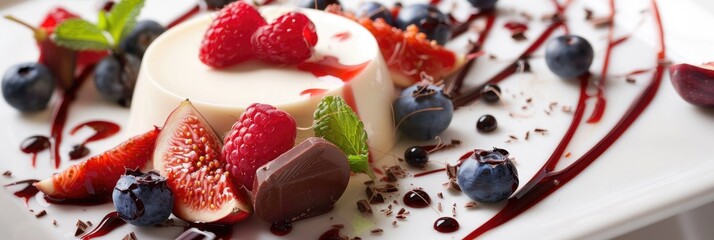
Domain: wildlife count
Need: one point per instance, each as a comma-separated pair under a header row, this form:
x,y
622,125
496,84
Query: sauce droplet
x,y
446,225
33,145
417,199
281,228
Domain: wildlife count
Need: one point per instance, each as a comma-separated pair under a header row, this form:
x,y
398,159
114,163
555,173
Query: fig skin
x,y
695,84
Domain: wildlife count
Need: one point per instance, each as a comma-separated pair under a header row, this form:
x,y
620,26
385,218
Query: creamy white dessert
x,y
172,72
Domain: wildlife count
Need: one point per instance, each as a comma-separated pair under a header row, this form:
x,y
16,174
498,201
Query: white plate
x,y
658,168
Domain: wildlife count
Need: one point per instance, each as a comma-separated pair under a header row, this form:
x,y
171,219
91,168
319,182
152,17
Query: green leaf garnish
x,y
78,34
102,20
121,20
336,122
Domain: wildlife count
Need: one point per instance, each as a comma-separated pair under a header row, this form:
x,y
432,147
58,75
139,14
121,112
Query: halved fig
x,y
694,83
188,153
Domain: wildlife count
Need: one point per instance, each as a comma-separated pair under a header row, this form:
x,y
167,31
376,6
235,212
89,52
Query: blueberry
x,y
115,77
422,112
217,4
488,176
141,37
143,199
375,10
491,93
317,4
486,123
428,19
416,156
28,87
569,56
483,5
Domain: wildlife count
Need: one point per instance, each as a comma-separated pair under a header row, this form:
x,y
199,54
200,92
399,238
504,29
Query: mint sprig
x,y
336,122
78,34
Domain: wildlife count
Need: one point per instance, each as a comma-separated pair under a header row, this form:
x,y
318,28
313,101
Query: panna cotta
x,y
347,62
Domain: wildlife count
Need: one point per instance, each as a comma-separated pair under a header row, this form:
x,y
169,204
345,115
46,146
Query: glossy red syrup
x,y
477,47
331,66
59,116
281,229
446,225
601,102
343,36
475,94
313,92
221,231
34,145
516,27
102,130
546,181
417,199
110,222
28,191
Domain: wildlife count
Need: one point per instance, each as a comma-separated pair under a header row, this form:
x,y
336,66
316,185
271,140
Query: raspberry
x,y
288,40
260,135
227,40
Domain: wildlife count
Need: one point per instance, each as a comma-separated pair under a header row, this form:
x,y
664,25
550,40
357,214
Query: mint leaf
x,y
102,20
80,35
121,20
336,122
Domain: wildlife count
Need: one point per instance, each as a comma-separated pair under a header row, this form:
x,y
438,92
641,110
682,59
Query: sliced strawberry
x,y
188,153
409,54
96,177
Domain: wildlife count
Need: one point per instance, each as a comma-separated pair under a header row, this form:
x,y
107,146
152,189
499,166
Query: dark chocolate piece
x,y
303,182
363,207
373,196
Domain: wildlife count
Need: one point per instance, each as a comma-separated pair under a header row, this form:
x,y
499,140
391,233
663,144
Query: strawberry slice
x,y
95,178
409,54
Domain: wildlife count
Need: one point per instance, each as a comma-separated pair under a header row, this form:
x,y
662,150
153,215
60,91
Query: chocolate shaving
x,y
389,188
363,207
338,226
7,174
54,222
440,195
90,222
492,57
600,22
373,195
588,14
567,109
471,205
453,210
401,217
513,137
401,211
377,230
130,236
528,133
438,206
519,36
452,185
394,223
40,214
630,80
81,227
451,171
